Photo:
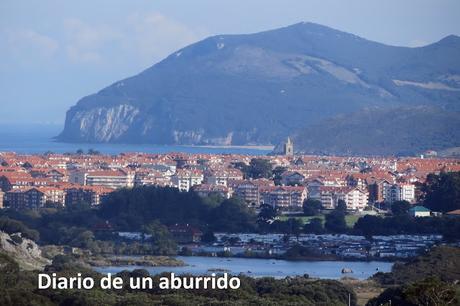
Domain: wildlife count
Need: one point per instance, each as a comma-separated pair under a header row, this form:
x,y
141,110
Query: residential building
x,y
419,211
377,191
357,180
399,192
13,180
284,197
34,197
247,191
221,177
184,179
292,178
53,175
167,169
152,177
355,198
314,189
206,190
91,195
185,233
108,178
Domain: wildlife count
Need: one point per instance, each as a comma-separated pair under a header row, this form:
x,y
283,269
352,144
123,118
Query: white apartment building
x,y
284,197
221,177
355,198
108,178
399,192
186,179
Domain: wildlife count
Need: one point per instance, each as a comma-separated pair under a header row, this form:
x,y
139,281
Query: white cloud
x,y
30,42
85,42
155,35
143,37
76,54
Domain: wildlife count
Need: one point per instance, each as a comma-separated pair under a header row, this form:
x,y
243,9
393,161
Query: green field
x,y
350,219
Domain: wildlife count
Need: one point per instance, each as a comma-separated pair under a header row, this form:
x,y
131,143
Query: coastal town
x,y
365,184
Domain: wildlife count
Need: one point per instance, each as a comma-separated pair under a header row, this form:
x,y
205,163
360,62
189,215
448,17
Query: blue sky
x,y
54,52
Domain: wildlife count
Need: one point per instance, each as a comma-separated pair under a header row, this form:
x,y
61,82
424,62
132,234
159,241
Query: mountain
x,y
259,88
401,131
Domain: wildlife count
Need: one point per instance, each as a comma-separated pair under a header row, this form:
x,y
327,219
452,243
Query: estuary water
x,y
197,265
38,139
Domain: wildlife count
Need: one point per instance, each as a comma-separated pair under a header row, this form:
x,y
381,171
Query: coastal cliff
x,y
260,88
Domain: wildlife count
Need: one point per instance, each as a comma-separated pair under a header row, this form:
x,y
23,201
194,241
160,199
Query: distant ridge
x,y
398,131
259,88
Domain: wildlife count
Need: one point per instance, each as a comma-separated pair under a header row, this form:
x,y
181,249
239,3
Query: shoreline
x,y
255,268
320,258
176,261
134,260
249,147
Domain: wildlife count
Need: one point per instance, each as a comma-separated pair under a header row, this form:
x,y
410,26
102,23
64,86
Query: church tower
x,y
289,147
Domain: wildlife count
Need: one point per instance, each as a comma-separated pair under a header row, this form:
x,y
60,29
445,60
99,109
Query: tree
x,y
295,227
93,152
130,209
312,207
369,225
298,251
335,222
259,168
429,291
267,213
84,239
292,226
277,172
442,192
341,206
208,237
315,226
233,215
185,251
399,208
11,226
162,241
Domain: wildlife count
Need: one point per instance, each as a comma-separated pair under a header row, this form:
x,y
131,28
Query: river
x,y
197,265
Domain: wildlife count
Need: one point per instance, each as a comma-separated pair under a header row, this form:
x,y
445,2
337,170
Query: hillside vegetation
x,y
400,131
259,88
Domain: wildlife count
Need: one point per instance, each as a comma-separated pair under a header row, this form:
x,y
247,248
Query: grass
x,y
364,289
349,219
303,219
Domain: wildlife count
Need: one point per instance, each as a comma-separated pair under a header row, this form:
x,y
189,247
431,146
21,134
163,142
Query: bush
x,y
11,226
335,222
312,207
